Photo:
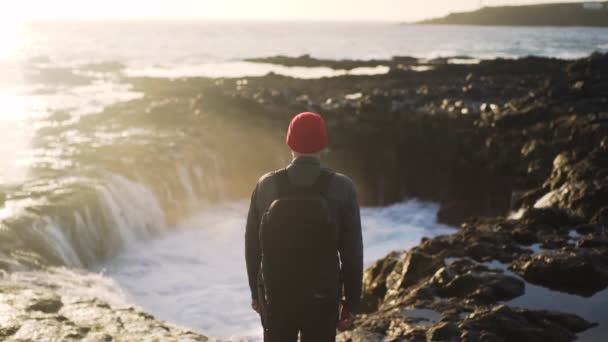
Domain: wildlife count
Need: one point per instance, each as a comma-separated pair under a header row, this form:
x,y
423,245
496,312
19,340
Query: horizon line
x,y
281,20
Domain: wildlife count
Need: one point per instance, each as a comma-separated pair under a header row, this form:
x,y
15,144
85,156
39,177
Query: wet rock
x,y
480,250
443,246
580,272
53,306
414,335
415,267
588,229
374,281
465,279
46,305
399,323
579,182
377,323
601,216
510,324
359,335
549,217
308,61
444,331
7,331
487,240
526,199
593,241
524,235
554,240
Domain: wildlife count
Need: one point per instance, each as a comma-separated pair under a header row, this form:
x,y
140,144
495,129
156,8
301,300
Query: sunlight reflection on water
x,y
16,136
241,69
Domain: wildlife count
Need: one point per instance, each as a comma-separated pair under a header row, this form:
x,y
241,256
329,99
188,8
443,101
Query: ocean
x,y
75,67
144,211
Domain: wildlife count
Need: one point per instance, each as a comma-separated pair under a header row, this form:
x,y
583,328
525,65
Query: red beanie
x,y
307,133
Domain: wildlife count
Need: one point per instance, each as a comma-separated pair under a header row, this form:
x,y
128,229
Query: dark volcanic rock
x,y
593,241
46,305
589,229
444,331
374,281
601,216
443,246
308,61
552,218
413,268
581,184
487,240
465,279
579,271
508,324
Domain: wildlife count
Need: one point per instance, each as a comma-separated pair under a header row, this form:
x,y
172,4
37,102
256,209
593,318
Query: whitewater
x,y
197,276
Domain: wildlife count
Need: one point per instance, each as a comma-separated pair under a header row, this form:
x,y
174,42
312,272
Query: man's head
x,y
307,134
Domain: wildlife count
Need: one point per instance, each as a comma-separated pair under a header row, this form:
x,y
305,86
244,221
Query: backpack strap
x,y
286,188
282,182
321,185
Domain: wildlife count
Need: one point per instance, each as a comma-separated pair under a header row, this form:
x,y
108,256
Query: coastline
x,y
484,139
554,15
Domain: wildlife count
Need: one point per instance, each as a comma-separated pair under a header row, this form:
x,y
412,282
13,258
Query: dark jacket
x,y
343,205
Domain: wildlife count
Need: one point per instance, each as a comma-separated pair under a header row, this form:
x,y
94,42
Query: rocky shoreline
x,y
527,137
543,152
62,305
515,151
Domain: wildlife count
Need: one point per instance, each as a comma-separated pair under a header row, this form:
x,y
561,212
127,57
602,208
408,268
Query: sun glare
x,y
9,37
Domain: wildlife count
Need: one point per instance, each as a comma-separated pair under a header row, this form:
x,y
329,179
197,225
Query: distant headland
x,y
561,14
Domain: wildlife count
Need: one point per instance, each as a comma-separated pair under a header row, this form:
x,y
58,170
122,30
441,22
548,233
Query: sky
x,y
349,10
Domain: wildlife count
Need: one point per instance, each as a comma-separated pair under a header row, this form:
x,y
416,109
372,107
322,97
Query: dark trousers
x,y
315,323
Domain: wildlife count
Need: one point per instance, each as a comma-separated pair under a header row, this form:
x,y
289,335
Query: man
x,y
303,243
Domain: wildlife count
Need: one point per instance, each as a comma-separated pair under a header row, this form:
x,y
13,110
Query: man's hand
x,y
346,320
256,306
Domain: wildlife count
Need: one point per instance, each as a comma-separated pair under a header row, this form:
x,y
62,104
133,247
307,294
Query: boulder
x,y
415,267
359,335
490,239
443,245
601,216
464,279
374,281
443,331
579,182
549,217
593,241
503,323
574,271
46,304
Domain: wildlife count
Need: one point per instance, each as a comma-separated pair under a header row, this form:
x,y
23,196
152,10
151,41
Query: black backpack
x,y
299,242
